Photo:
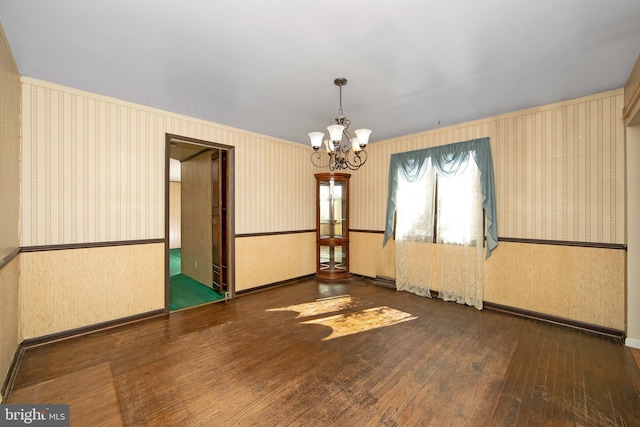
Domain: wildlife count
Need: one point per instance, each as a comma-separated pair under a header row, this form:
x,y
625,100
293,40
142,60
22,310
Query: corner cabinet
x,y
332,225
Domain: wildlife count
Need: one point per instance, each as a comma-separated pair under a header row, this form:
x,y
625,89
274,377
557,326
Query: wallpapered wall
x,y
93,170
9,149
559,170
66,289
560,176
632,92
9,204
632,119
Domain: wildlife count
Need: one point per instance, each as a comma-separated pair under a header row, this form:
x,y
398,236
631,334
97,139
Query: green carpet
x,y
174,262
184,291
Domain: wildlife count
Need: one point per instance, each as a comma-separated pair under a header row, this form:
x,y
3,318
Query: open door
x,y
218,219
207,228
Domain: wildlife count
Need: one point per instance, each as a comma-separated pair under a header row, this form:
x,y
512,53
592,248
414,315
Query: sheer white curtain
x,y
440,233
458,179
460,236
415,231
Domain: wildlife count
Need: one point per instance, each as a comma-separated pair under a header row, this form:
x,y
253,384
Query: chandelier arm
x,y
315,159
359,158
340,160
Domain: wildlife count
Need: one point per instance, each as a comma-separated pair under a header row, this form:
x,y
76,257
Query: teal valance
x,y
447,160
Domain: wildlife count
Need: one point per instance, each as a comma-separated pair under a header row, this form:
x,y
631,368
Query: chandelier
x,y
344,150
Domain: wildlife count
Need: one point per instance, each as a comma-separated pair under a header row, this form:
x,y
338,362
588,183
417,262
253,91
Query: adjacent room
x,y
321,213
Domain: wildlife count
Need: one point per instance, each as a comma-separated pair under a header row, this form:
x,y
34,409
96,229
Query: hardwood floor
x,y
350,353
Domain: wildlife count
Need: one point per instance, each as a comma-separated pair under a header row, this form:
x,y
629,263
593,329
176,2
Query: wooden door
x,y
218,220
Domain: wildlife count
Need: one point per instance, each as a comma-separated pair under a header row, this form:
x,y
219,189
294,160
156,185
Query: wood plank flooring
x,y
323,354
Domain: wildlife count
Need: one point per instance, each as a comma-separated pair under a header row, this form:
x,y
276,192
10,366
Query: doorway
x,y
199,219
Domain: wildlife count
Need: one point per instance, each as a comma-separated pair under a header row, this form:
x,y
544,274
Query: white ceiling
x,y
269,66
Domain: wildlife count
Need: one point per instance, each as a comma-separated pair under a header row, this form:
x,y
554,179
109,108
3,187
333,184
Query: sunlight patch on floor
x,y
365,320
321,306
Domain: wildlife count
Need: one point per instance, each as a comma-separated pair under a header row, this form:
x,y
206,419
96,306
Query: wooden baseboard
x,y
274,285
98,327
616,334
10,379
385,282
72,333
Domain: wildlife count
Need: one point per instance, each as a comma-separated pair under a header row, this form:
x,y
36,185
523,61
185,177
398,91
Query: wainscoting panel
x,y
9,314
368,258
263,260
62,290
578,283
572,282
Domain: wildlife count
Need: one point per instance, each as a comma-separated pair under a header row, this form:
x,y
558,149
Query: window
x,y
447,160
459,206
438,208
415,214
441,195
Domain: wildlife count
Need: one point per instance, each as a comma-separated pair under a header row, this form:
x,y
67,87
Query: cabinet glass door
x,y
333,258
333,226
332,209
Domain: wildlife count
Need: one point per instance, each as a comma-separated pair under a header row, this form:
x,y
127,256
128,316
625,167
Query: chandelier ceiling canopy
x,y
344,151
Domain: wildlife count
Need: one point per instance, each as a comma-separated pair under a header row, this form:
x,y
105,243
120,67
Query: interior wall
x,y
631,115
632,95
9,149
274,258
10,335
196,230
559,170
175,170
68,289
633,245
9,204
578,283
559,176
175,215
101,162
367,256
93,171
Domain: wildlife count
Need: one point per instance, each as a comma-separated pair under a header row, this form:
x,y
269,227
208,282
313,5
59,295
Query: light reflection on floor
x,y
365,320
321,306
348,323
332,289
